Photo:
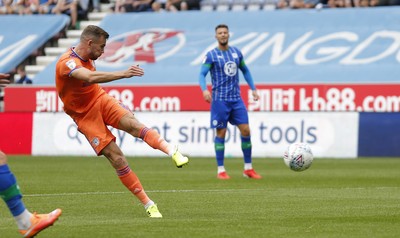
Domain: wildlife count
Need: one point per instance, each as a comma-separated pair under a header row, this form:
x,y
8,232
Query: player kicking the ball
x,y
92,109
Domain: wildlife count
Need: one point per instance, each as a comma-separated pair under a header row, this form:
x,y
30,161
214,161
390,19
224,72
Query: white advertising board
x,y
330,134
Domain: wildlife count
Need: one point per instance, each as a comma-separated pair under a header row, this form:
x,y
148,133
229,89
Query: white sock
x,y
24,220
148,204
221,169
248,166
172,149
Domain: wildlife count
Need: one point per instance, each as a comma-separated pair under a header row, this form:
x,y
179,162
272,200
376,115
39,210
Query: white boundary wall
x,y
329,134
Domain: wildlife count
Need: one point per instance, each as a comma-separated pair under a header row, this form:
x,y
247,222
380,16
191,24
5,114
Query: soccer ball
x,y
298,156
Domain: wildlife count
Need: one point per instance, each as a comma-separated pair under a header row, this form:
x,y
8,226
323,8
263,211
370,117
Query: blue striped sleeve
x,y
247,75
202,77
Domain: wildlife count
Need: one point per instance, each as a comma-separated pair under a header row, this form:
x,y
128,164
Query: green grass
x,y
334,198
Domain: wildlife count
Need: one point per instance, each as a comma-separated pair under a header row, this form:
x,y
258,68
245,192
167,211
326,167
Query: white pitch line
x,y
192,191
147,191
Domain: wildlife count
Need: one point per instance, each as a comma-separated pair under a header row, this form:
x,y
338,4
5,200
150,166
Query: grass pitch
x,y
334,198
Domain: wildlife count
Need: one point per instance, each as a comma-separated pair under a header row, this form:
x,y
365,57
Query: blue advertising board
x,y
20,36
295,46
379,134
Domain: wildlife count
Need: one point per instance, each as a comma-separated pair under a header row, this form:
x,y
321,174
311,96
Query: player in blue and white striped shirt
x,y
226,103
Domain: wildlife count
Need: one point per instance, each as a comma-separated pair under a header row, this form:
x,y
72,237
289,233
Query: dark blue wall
x,y
379,134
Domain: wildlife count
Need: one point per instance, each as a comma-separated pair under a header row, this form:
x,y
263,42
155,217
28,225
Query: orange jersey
x,y
78,96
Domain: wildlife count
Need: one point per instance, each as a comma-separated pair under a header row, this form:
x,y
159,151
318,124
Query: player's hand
x,y
4,76
135,70
4,79
255,95
207,96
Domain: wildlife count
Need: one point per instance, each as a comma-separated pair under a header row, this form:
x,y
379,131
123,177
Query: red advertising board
x,y
16,133
311,97
138,98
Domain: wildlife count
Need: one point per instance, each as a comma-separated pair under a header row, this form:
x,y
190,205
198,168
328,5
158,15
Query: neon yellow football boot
x,y
153,212
179,159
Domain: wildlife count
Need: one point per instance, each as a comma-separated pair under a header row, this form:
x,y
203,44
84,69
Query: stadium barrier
x,y
330,134
273,98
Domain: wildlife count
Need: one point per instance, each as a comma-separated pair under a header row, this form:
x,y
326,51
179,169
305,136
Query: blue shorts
x,y
223,112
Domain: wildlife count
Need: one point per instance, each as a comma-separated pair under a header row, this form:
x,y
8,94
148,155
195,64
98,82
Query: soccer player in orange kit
x,y
28,224
92,109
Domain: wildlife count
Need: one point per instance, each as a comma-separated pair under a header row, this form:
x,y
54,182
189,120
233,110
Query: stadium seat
x,y
223,5
254,5
238,5
269,5
208,5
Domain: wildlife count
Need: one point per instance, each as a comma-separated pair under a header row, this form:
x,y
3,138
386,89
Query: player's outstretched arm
x,y
104,77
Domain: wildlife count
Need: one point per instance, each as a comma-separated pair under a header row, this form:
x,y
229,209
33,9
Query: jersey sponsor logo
x,y
230,68
71,64
144,46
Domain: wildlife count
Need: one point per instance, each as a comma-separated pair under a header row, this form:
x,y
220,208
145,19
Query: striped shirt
x,y
224,72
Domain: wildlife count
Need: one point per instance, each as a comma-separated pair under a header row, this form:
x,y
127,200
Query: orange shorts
x,y
93,124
